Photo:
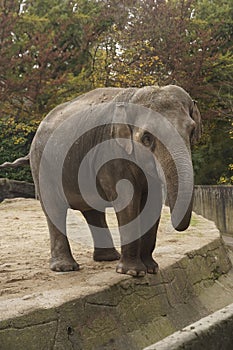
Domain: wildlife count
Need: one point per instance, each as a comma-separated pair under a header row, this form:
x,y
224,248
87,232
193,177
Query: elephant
x,y
131,124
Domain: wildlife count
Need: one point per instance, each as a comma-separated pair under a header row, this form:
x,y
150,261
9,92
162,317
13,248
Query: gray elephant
x,y
145,136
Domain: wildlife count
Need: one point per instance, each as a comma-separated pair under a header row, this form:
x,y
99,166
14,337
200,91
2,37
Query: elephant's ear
x,y
196,116
120,129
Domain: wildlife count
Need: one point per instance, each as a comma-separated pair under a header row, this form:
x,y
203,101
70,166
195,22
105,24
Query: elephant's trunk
x,y
178,173
184,223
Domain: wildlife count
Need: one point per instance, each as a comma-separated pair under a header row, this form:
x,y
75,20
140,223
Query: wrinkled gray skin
x,y
136,257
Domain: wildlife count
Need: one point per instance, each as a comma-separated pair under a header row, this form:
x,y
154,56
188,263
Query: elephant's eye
x,y
147,139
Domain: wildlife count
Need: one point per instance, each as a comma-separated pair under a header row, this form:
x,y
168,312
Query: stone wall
x,y
215,203
14,189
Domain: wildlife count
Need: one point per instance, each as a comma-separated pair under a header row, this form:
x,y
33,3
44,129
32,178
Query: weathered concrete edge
x,y
211,332
54,299
126,314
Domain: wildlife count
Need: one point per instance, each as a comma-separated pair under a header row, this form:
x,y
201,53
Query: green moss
x,y
194,221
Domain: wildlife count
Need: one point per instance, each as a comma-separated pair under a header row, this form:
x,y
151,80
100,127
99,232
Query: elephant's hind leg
x,y
61,257
104,249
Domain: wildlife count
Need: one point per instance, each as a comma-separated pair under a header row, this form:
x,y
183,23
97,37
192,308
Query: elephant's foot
x,y
63,264
151,265
131,267
106,254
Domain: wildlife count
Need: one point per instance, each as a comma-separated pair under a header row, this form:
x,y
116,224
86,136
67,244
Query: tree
x,y
188,43
213,156
51,51
44,59
44,50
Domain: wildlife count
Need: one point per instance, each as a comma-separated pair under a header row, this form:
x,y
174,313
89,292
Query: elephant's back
x,y
95,97
75,108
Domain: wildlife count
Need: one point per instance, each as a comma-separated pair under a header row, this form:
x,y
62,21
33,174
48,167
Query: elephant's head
x,y
169,124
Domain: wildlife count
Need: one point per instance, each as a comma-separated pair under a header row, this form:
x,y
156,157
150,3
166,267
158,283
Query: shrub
x,y
16,137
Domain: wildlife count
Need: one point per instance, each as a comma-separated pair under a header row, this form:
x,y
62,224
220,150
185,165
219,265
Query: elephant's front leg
x,y
130,262
104,249
61,257
148,240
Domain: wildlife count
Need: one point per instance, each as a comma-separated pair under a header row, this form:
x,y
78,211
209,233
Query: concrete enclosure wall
x,y
215,203
14,189
213,332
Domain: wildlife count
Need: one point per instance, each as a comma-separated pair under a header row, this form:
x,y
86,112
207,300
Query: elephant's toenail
x,y
131,273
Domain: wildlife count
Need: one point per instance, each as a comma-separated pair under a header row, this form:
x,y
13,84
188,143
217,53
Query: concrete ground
x,y
96,308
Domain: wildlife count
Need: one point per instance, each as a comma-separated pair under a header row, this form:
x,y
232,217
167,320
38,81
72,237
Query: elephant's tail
x,y
23,161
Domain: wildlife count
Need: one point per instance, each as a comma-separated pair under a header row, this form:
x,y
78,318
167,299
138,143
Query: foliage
x,y
16,138
44,48
188,43
54,50
213,156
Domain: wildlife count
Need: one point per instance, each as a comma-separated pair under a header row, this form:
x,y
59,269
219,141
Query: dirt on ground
x,y
25,248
